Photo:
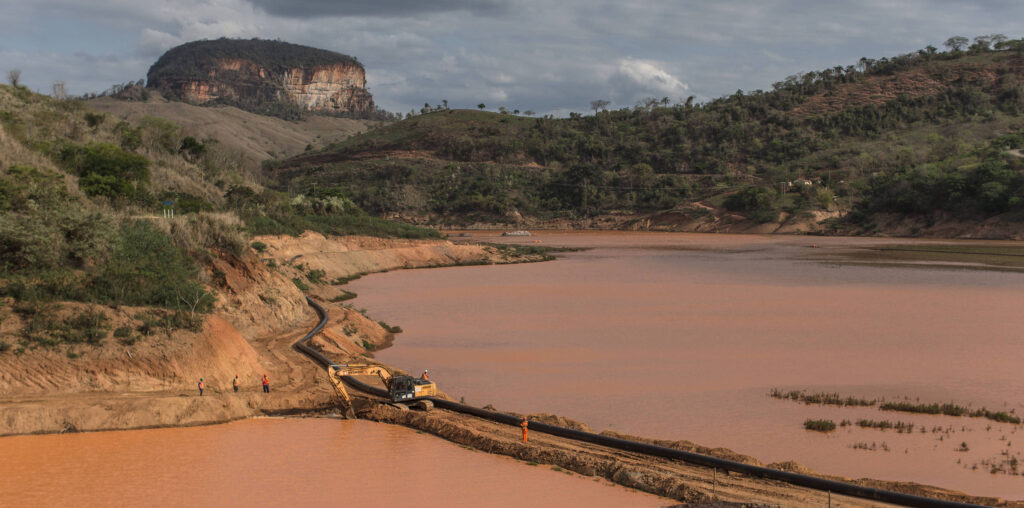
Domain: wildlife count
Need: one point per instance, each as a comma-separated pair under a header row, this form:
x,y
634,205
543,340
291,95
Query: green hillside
x,y
81,211
924,133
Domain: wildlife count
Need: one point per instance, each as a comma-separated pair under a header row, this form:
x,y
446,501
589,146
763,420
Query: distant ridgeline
x,y
269,77
937,135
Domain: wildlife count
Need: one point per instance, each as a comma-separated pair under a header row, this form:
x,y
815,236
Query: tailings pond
x,y
282,462
683,337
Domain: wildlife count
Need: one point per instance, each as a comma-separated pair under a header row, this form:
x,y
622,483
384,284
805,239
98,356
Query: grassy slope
x,y
255,137
506,163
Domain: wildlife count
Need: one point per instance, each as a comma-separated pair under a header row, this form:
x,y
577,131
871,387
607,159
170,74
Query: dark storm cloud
x,y
381,8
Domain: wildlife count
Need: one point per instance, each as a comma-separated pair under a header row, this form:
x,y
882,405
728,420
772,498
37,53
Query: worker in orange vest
x,y
266,384
235,383
201,386
524,425
424,376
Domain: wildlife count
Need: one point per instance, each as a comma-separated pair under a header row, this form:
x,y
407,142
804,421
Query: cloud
x,y
154,42
551,57
635,79
392,8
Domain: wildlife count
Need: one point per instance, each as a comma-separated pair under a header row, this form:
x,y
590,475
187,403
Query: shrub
x,y
389,328
107,170
820,425
88,326
316,276
757,202
4,347
122,332
258,247
94,119
146,268
299,284
344,295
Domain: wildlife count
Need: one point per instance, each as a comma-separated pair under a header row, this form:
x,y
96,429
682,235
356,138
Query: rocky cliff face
x,y
263,76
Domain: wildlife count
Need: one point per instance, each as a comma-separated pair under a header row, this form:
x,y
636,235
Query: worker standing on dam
x,y
266,384
425,375
524,425
201,386
234,383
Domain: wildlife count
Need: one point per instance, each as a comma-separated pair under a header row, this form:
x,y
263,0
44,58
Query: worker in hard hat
x,y
201,386
425,375
235,383
524,426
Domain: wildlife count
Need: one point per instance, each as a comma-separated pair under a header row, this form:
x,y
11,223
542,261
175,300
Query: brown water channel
x,y
282,462
682,336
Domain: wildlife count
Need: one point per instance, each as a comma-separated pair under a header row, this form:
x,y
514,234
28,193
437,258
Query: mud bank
x,y
151,380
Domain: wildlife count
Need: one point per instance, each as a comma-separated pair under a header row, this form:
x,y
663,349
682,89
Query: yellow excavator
x,y
404,392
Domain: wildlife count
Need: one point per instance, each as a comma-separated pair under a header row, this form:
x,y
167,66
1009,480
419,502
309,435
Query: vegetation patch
x,y
820,425
950,409
345,280
389,328
343,296
900,427
832,399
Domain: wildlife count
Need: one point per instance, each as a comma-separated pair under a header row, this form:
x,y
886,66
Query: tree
x,y
599,105
481,106
529,112
445,103
956,43
14,77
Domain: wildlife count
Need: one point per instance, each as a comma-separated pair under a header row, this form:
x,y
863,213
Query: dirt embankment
x,y
669,478
150,379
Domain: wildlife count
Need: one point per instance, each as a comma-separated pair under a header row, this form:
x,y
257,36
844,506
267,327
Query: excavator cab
x,y
403,388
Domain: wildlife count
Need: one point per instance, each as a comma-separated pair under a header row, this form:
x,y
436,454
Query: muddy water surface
x,y
278,462
682,336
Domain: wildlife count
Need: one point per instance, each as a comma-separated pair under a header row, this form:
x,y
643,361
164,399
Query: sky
x,y
547,56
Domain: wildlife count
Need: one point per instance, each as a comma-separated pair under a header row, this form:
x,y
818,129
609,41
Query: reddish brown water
x,y
275,462
682,336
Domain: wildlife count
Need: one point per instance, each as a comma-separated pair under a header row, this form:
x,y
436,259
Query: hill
x,y
919,139
268,77
82,197
252,136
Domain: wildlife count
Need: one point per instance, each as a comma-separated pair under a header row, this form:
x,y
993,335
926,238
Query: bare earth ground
x,y
261,314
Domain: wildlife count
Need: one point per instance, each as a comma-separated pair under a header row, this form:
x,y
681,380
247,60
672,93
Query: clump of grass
x,y
4,347
344,295
258,246
369,346
900,427
950,409
345,280
349,329
820,425
832,399
962,448
299,284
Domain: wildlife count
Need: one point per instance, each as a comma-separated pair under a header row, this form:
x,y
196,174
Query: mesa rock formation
x,y
262,76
